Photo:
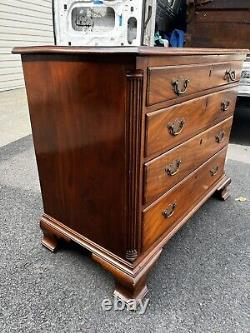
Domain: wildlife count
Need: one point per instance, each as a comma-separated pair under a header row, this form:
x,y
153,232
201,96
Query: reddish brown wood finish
x,y
220,23
221,4
197,115
92,129
138,51
170,168
222,191
161,81
78,127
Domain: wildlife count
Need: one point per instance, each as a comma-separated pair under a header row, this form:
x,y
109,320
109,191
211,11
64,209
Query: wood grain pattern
x,y
199,78
184,196
191,154
79,137
220,32
197,115
219,24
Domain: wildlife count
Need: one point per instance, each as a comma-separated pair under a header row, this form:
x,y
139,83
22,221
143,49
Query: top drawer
x,y
167,83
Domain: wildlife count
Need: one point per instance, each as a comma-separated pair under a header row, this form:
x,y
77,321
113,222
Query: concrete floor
x,y
239,148
200,283
14,116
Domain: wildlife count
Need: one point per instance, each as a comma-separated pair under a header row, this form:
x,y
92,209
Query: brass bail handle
x,y
225,106
230,75
219,137
167,213
180,88
176,127
173,168
214,171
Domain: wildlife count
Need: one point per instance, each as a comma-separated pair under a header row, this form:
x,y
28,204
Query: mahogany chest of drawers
x,y
129,142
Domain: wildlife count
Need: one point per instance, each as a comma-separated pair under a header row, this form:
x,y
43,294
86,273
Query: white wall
x,y
22,23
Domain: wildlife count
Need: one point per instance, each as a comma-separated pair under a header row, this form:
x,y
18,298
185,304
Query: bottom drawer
x,y
179,201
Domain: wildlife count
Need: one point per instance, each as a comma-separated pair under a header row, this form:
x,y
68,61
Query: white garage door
x,y
22,23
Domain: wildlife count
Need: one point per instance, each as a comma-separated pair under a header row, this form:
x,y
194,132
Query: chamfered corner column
x,y
134,105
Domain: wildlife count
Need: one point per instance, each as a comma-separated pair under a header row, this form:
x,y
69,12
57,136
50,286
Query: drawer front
x,y
169,127
167,170
172,208
167,83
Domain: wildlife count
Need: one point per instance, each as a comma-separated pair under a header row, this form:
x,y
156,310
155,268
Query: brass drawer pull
x,y
225,106
176,127
219,137
173,168
214,171
180,88
230,75
167,213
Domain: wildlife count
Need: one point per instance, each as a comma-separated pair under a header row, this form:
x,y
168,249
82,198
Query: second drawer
x,y
170,168
169,127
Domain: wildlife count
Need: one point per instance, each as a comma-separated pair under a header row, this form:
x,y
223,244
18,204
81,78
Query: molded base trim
x,y
222,191
130,281
50,242
130,277
123,296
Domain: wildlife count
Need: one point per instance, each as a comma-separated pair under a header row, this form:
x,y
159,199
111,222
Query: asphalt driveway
x,y
200,283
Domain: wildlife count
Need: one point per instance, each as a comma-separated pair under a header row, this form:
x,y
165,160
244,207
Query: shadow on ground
x,y
241,126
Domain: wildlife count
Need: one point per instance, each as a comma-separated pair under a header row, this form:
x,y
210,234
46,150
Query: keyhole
x,y
210,72
206,103
201,141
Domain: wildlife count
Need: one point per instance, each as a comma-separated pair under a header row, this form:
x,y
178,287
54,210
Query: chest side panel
x,y
77,107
